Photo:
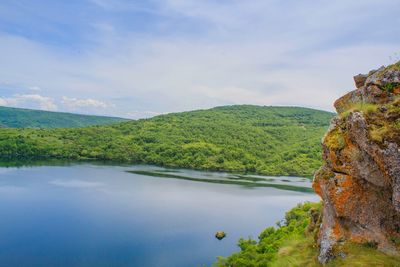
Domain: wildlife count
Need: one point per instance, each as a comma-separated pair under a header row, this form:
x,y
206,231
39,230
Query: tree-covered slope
x,y
266,140
28,118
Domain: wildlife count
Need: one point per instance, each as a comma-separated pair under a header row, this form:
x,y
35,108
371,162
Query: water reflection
x,y
94,215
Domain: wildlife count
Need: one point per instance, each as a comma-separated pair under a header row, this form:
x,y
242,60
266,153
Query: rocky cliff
x,y
360,180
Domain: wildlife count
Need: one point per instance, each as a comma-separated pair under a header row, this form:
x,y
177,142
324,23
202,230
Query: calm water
x,y
91,215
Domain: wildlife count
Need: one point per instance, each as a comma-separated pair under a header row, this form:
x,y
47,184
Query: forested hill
x,y
28,118
265,140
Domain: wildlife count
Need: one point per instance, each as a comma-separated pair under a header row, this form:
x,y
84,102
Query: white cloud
x,y
3,102
35,88
264,52
36,101
74,103
137,114
29,101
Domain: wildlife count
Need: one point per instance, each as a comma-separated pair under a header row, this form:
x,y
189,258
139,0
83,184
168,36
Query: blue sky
x,y
142,58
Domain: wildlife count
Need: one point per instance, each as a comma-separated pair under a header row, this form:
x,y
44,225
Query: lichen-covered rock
x,y
360,80
360,180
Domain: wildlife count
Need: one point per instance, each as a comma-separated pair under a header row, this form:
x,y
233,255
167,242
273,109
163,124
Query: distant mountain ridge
x,y
30,118
242,138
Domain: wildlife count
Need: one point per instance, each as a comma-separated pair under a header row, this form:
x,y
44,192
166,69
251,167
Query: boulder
x,y
360,80
220,235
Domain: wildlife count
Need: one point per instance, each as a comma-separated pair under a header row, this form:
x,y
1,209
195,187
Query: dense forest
x,y
264,140
28,118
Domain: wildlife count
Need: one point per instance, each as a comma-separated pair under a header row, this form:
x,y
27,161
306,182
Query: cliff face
x,y
360,180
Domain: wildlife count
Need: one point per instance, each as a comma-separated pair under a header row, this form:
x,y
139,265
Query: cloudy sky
x,y
141,58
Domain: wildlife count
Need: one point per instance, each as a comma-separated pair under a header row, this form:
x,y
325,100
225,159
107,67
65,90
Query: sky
x,y
138,59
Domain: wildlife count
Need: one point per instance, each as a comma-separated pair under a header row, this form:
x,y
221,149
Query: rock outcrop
x,y
360,180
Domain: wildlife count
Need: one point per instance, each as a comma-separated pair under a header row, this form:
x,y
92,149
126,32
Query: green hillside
x,y
28,118
293,243
265,140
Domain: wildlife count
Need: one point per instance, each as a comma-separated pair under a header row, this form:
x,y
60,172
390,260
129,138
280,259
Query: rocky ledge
x,y
360,179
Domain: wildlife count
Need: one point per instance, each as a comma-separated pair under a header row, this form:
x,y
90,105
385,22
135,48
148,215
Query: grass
x,y
379,130
359,255
395,66
298,251
365,108
377,133
301,251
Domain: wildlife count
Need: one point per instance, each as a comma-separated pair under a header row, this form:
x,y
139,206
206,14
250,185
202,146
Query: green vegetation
x,y
293,244
365,108
271,240
265,140
28,118
389,87
302,252
384,124
377,133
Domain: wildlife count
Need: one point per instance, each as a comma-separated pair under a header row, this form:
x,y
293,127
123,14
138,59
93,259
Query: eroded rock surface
x,y
360,180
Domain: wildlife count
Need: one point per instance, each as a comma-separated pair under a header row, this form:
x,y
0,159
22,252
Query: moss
x,y
396,125
334,140
394,107
355,154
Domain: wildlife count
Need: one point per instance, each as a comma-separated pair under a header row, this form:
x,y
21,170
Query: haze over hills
x,y
29,118
245,138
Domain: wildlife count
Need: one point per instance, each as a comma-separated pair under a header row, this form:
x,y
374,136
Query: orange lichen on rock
x,y
360,180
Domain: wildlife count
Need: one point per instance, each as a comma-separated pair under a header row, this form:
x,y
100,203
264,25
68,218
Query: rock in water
x,y
220,235
360,179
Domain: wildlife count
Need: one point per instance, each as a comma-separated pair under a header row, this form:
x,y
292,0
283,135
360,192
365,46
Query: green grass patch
x,y
378,133
366,108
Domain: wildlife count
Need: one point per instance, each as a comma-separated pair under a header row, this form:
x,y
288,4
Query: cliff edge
x,y
360,179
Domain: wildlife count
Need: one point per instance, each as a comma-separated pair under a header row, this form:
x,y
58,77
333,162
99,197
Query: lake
x,y
98,215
